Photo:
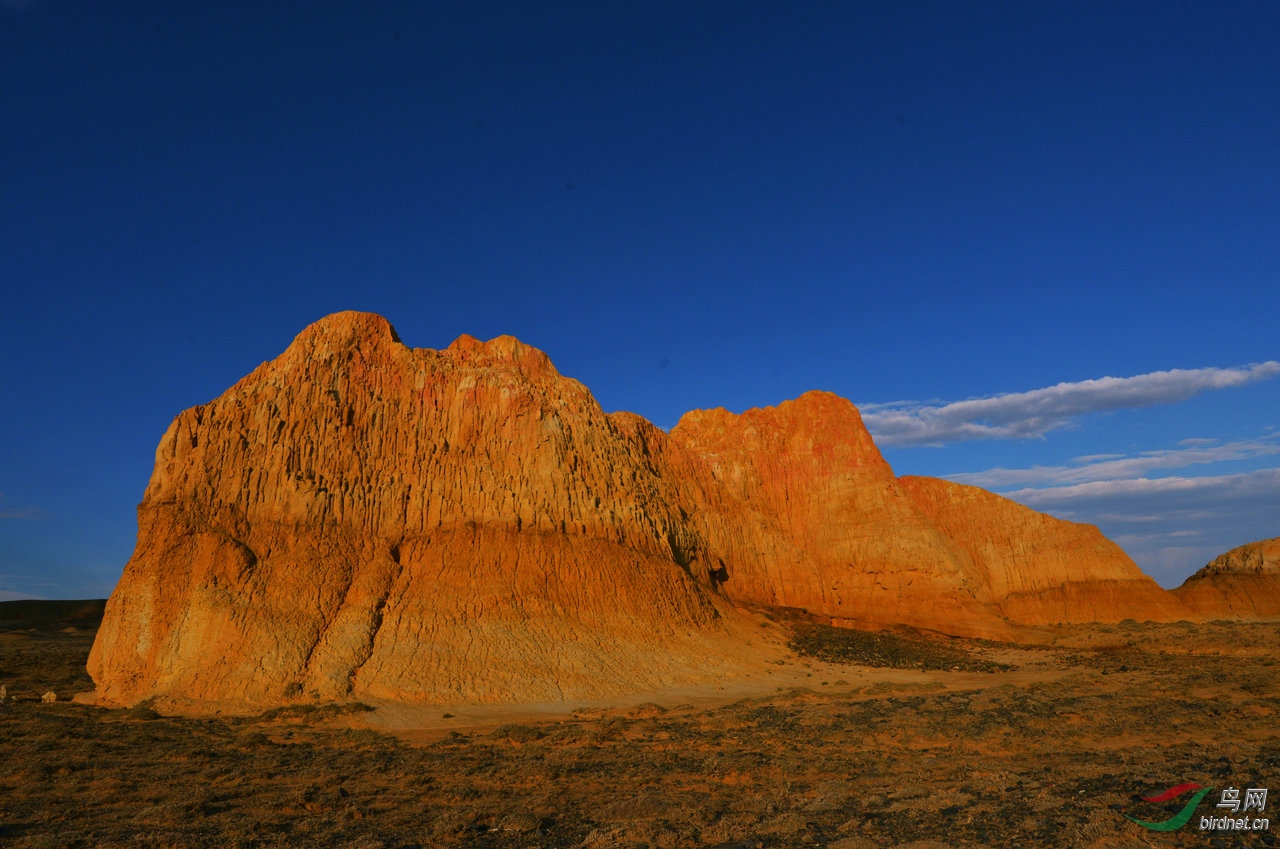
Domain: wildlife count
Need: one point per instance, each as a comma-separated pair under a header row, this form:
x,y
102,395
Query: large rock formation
x,y
810,515
1037,568
359,518
804,512
1243,583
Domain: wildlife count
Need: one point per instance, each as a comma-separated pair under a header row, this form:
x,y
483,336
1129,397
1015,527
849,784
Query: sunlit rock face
x,y
804,512
1038,569
361,519
358,518
817,520
1243,583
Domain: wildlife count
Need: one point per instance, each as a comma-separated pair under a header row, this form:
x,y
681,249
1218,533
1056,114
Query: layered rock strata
x,y
804,512
1243,583
357,518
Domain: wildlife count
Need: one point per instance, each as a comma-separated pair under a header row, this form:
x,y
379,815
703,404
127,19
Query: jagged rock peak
x,y
818,424
804,407
357,518
354,329
502,351
346,328
1256,558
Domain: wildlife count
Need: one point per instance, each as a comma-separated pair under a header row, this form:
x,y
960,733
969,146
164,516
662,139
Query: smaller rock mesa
x,y
1244,583
1038,569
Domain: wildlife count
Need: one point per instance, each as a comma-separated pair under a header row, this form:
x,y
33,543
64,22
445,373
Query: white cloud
x,y
1094,458
1116,467
1170,565
1024,415
1151,502
1181,492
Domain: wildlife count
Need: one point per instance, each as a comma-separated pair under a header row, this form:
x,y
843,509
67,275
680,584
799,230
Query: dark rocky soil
x,y
887,651
1050,750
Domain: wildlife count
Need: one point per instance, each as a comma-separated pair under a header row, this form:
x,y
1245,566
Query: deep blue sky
x,y
686,205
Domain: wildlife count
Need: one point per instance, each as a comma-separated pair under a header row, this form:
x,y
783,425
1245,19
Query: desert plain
x,y
852,740
399,597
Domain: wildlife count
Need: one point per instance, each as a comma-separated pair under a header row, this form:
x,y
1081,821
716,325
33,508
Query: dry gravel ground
x,y
891,741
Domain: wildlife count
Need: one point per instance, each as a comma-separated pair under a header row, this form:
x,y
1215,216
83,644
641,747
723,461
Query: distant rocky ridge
x,y
357,518
1243,583
45,613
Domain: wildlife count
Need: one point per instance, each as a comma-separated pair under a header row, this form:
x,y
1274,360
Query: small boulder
x,y
49,698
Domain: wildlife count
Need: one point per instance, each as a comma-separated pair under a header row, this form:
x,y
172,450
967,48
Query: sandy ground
x,y
427,723
1055,746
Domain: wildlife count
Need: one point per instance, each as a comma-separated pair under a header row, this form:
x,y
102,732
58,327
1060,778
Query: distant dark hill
x,y
39,613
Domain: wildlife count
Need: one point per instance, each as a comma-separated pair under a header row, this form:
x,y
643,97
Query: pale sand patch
x,y
778,670
415,723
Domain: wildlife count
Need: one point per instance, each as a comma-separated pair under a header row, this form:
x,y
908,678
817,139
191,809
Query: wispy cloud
x,y
27,514
11,513
1025,415
1112,468
17,586
1159,495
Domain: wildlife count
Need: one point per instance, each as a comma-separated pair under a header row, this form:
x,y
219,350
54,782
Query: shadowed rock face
x,y
357,518
1243,583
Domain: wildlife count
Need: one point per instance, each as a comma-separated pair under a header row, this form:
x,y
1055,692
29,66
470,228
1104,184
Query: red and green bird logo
x,y
1183,816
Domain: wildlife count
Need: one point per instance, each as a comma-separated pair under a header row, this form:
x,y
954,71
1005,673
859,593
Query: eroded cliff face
x,y
808,514
805,512
1243,583
360,519
1036,568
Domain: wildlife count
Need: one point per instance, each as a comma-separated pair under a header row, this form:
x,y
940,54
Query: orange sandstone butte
x,y
1244,583
361,519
